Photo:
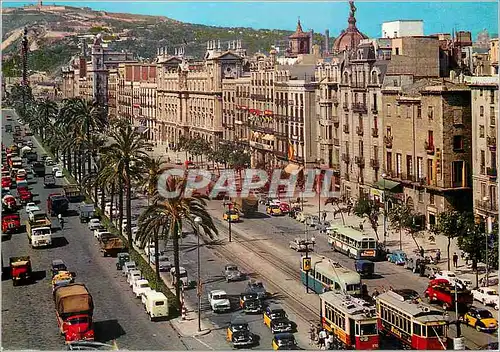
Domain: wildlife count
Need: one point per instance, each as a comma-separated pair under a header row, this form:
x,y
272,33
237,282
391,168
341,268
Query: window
x,y
397,49
420,196
458,143
480,92
493,161
430,112
389,132
375,122
409,165
388,110
481,111
419,112
420,173
430,138
430,174
483,190
361,148
492,97
481,131
398,164
483,162
457,117
375,152
417,329
389,161
457,169
432,201
492,116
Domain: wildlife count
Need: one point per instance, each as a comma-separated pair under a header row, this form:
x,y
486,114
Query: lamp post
x,y
485,199
385,215
198,221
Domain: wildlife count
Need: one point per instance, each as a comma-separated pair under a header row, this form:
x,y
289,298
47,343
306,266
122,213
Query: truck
x,y
39,232
49,181
87,212
111,246
72,192
20,269
31,156
74,310
16,162
442,292
248,206
11,223
57,204
39,169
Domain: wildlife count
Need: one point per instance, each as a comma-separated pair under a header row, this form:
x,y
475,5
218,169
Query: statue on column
x,y
353,8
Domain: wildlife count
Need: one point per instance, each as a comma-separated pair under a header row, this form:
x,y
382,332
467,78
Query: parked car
x,y
256,287
58,174
446,275
298,244
274,210
128,266
232,273
250,303
301,216
312,221
397,257
481,319
140,286
431,271
238,333
57,266
31,207
487,296
163,262
94,224
219,301
132,276
276,319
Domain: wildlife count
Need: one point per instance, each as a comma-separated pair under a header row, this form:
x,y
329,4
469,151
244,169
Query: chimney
x,y
327,42
218,44
165,51
228,45
311,42
208,45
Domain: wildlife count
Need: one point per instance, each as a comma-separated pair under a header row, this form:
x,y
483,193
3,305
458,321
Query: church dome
x,y
350,37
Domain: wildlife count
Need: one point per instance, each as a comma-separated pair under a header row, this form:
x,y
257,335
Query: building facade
x,y
403,28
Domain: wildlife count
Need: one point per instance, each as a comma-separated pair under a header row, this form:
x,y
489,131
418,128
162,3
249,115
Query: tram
x,y
352,242
327,275
415,324
353,321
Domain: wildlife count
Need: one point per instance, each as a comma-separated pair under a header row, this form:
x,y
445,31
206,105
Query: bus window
x,y
417,329
354,287
372,244
368,329
337,286
318,276
365,245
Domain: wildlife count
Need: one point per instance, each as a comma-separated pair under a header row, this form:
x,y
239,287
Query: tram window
x,y
417,329
368,329
318,276
364,245
373,244
337,286
424,331
357,329
435,330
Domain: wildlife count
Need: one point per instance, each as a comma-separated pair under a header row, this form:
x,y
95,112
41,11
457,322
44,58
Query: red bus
x,y
352,320
415,324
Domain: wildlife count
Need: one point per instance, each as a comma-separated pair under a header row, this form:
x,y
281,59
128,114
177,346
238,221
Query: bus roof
x,y
351,232
332,269
357,308
421,312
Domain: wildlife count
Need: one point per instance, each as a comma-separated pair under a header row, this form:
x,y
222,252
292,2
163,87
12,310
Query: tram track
x,y
301,309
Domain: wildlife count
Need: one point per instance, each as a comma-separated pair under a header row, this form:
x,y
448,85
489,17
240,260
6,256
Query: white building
x,y
403,28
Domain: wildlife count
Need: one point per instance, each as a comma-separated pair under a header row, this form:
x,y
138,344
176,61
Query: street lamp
x,y
385,215
197,221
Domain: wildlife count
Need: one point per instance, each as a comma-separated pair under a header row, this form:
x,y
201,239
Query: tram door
x,y
352,332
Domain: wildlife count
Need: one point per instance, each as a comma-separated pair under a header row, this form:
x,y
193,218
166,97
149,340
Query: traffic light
x,y
306,264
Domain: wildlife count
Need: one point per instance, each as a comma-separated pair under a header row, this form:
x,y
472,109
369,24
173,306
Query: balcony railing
x,y
335,120
375,109
346,106
374,132
388,141
359,107
359,130
487,205
346,158
429,147
360,161
375,163
346,128
491,172
491,142
336,142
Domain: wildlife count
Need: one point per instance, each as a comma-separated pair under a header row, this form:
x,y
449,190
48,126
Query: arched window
x,y
346,78
374,77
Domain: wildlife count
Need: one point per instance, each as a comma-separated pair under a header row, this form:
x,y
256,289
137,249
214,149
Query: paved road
x,y
276,232
28,318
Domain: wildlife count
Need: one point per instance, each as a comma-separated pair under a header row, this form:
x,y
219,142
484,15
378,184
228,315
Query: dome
x,y
350,37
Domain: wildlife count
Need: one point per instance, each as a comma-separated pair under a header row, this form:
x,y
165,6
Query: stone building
x,y
493,56
484,91
427,150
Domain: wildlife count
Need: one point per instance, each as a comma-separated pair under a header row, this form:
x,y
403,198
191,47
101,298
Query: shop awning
x,y
387,185
293,168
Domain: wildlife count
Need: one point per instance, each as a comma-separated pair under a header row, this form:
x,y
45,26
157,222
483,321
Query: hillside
x,y
54,31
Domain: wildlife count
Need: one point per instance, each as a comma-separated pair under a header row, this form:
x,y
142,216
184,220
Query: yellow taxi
x,y
274,210
481,319
238,333
232,216
284,341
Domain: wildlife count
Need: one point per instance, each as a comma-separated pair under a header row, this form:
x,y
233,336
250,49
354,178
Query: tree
x,y
399,219
46,112
369,209
472,240
152,169
167,215
451,224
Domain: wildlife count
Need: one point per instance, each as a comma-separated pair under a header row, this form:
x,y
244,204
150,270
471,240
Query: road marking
x,y
203,343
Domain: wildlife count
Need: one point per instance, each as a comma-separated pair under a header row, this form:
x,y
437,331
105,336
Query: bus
x,y
353,321
417,325
352,242
327,275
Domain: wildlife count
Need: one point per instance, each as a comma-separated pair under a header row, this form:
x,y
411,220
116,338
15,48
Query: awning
x,y
293,168
387,185
268,137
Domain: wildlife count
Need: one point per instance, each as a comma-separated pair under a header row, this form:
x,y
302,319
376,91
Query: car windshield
x,y
220,296
491,293
278,314
75,321
484,314
286,342
240,327
231,268
368,329
257,285
144,285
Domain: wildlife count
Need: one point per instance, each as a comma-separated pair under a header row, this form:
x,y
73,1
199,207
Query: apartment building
x,y
427,129
484,92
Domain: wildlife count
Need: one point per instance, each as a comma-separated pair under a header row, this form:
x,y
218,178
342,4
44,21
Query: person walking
x,y
324,216
322,338
455,259
312,335
438,256
61,223
422,252
331,341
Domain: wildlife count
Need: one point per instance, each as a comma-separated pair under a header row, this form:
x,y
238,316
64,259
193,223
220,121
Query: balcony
x,y
429,148
260,97
346,129
374,132
375,163
335,120
359,130
491,172
345,158
336,142
388,141
487,205
491,142
359,107
328,101
360,161
375,109
346,106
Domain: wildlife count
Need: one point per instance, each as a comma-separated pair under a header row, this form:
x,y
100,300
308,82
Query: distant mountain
x,y
54,31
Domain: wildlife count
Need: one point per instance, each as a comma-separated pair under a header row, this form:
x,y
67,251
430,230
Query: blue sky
x,y
437,16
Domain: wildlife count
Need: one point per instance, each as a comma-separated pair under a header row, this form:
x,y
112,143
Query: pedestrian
x,y
331,341
422,252
455,259
61,223
438,256
324,216
312,334
322,338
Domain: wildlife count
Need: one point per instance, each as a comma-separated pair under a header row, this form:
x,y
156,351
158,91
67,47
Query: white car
x,y
219,301
487,296
94,224
22,173
31,207
49,161
55,169
150,249
140,286
128,266
101,232
132,276
163,262
446,275
59,174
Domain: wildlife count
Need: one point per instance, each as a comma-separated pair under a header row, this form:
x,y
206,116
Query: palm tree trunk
x,y
128,203
76,164
70,165
448,252
175,243
120,206
103,197
112,196
157,260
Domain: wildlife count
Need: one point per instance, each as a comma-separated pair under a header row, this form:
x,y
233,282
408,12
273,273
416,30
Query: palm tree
x,y
46,112
126,150
166,215
153,169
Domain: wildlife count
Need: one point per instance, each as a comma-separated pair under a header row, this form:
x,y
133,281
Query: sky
x,y
438,17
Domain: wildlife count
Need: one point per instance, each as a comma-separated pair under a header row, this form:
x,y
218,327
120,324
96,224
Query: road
x,y
276,233
28,317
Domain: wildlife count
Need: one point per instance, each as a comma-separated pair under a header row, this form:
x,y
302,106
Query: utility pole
x,y
197,221
24,54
